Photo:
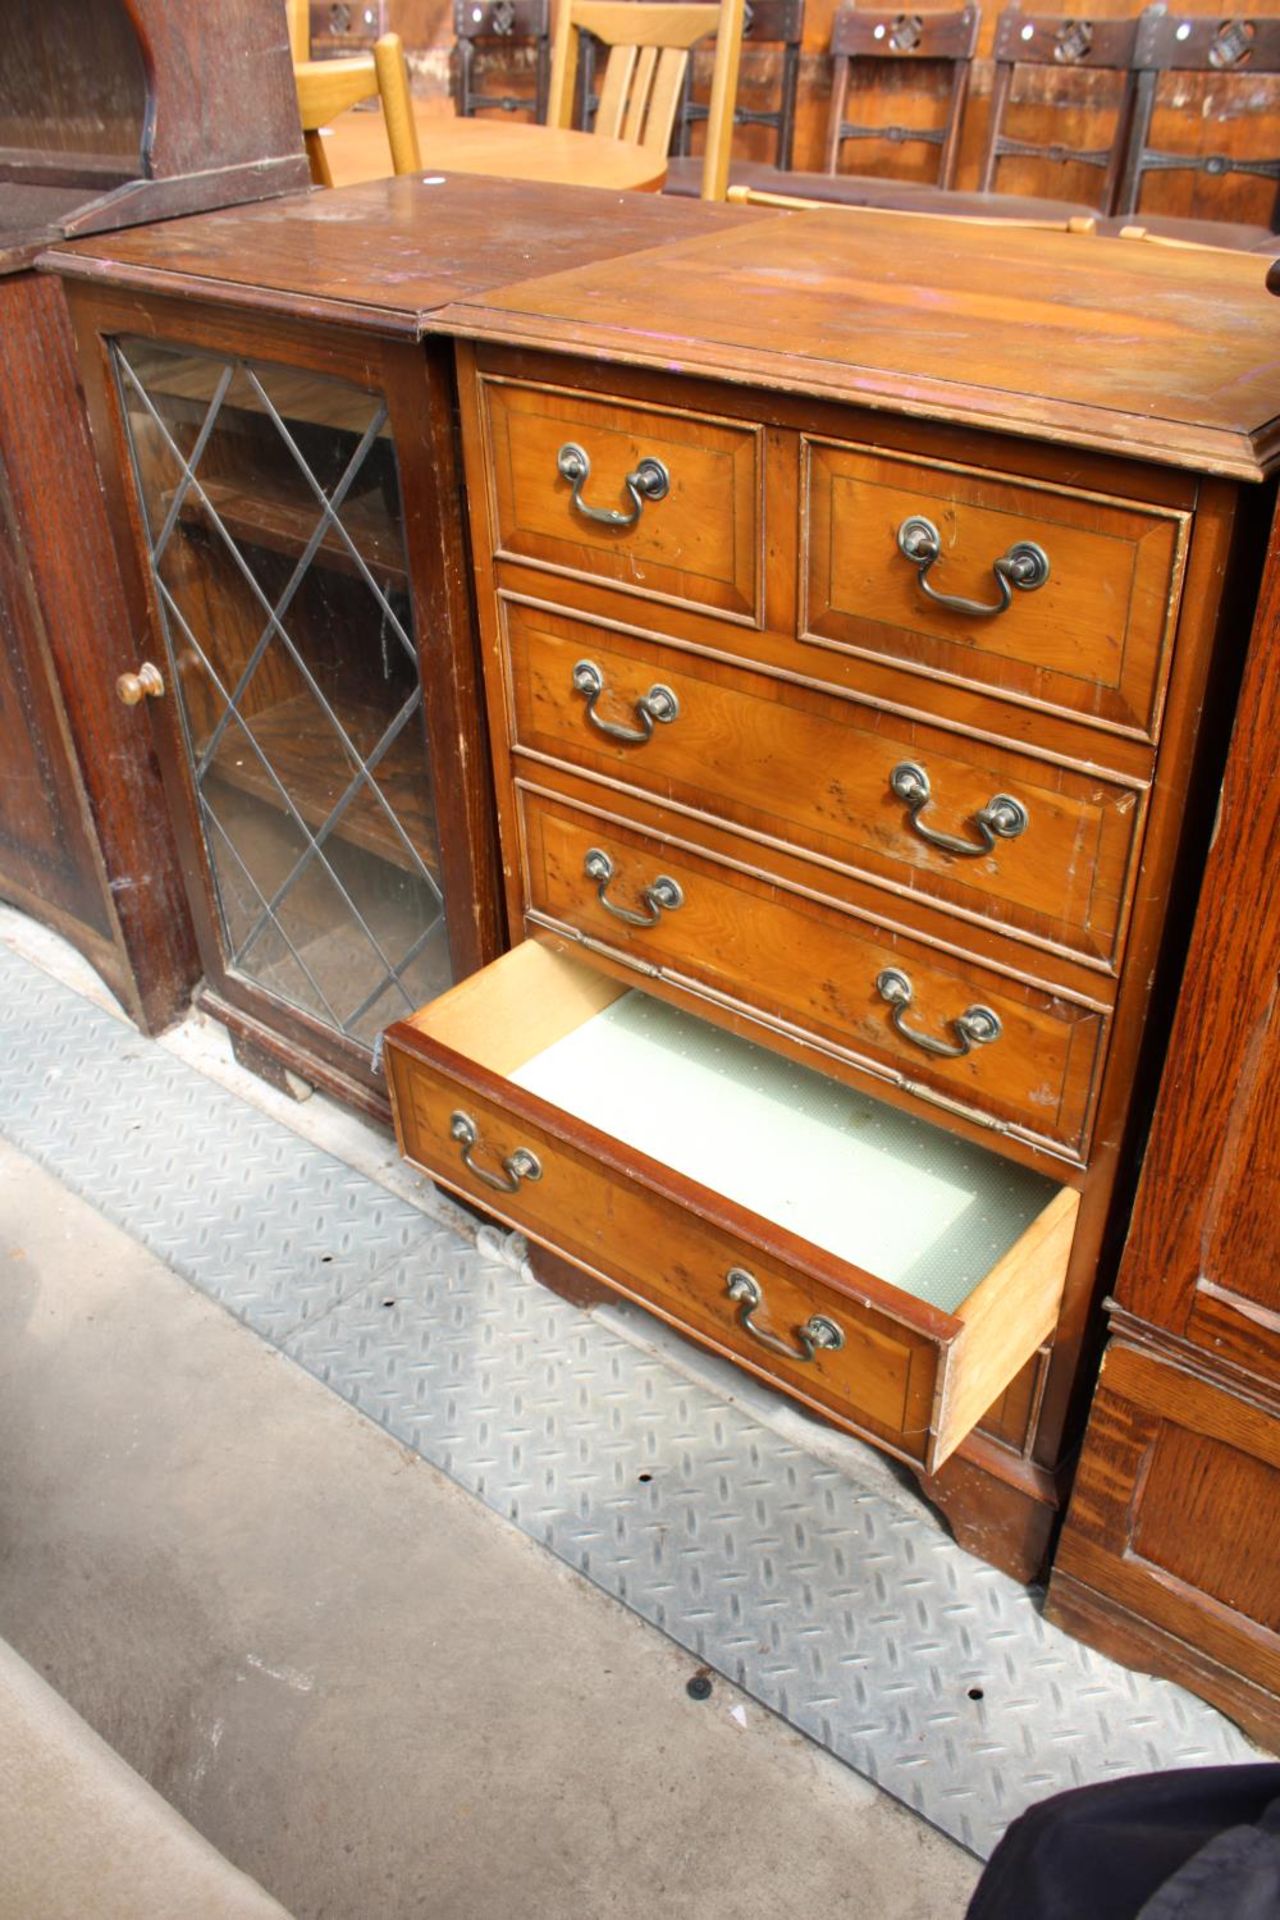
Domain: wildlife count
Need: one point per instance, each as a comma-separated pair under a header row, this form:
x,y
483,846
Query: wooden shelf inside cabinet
x,y
301,746
295,395
263,516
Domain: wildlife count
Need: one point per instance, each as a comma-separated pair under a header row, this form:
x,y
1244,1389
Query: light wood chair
x,y
649,44
299,16
327,88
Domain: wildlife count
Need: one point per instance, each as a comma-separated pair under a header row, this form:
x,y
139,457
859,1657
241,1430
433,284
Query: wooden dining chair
x,y
648,55
327,88
494,30
1237,52
890,42
1061,44
766,23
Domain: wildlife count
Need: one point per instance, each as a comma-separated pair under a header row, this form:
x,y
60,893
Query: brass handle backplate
x,y
818,1331
658,704
975,1027
147,682
522,1164
662,895
649,481
1025,566
1002,818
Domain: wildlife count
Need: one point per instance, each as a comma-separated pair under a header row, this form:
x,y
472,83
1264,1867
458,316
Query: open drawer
x,y
863,1260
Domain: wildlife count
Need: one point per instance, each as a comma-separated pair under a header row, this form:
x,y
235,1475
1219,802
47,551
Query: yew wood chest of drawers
x,y
842,761
859,600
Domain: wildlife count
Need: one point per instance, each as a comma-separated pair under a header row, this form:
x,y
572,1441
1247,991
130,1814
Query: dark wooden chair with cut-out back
x,y
883,43
769,26
1057,44
338,27
1234,51
1052,46
494,40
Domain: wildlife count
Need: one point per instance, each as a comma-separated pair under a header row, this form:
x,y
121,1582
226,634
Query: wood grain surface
x,y
379,256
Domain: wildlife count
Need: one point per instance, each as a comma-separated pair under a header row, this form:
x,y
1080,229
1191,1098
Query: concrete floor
x,y
369,1692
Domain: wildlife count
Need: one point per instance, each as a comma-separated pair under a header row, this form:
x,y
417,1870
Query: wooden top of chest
x,y
1154,352
1158,353
386,254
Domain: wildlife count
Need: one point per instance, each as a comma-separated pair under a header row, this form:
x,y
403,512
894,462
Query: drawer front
x,y
1031,848
697,544
805,962
881,1381
1093,639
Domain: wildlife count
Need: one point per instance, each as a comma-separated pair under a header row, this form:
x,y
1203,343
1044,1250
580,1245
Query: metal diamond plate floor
x,y
841,1604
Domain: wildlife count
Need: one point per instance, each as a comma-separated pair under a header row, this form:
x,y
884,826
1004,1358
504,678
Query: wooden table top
x,y
356,148
383,255
1160,354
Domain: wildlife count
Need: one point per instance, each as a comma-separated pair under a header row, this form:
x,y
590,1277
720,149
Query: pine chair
x,y
299,16
649,44
327,88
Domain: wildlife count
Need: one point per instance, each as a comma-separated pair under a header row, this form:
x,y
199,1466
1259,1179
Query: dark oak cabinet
x,y
109,114
1168,1557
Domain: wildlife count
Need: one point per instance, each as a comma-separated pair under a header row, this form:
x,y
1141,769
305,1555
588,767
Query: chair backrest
x,y
327,88
948,39
1060,42
649,43
1171,43
298,14
766,23
346,26
501,26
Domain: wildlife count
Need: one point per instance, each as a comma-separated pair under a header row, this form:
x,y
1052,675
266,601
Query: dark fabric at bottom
x,y
1101,1853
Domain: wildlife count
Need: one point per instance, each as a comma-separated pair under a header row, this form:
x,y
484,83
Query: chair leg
x,y
950,154
1132,142
999,102
317,159
835,119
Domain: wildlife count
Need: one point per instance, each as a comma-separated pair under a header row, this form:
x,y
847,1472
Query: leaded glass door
x,y
272,510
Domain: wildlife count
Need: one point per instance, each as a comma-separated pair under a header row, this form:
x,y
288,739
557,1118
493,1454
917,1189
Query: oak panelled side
x,y
85,840
109,115
1168,1554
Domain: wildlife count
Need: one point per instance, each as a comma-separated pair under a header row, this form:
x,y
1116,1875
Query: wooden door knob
x,y
133,687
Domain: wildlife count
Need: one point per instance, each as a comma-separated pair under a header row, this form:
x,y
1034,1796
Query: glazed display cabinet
x,y
307,678
109,115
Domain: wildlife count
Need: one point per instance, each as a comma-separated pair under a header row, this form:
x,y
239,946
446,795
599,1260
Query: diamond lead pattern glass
x,y
273,514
